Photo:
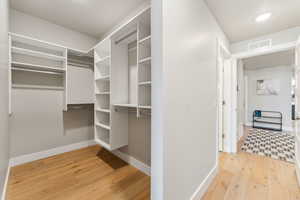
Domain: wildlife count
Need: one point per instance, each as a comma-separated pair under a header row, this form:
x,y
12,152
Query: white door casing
x,y
297,108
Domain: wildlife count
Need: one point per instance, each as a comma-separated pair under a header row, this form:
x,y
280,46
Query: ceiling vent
x,y
261,44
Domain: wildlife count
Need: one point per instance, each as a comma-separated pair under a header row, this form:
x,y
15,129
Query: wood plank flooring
x,y
87,174
247,176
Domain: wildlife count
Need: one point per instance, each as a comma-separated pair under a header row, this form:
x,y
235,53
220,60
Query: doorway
x,y
265,103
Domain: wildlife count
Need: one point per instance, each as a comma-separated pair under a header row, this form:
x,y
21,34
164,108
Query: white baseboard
x,y
134,162
51,152
3,196
198,194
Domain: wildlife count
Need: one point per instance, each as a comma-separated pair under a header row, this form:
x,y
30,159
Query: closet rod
x,y
126,36
37,71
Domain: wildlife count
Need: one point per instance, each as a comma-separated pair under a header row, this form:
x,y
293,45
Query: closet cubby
x,y
80,77
102,92
122,81
35,64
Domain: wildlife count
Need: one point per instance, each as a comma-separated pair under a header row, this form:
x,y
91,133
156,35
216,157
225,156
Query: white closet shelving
x,y
102,92
122,80
35,64
41,65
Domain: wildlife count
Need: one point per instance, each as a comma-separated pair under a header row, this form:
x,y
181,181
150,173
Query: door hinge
x,y
223,102
223,135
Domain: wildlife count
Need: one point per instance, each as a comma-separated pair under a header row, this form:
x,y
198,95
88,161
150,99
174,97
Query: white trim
x,y
134,162
3,196
198,194
51,152
259,52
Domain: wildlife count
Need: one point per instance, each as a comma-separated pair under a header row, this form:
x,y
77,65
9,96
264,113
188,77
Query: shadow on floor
x,y
110,159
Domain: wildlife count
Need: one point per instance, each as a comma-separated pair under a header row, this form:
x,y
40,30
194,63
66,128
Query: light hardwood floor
x,y
250,177
87,174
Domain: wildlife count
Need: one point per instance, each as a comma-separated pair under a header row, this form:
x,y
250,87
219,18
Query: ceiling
x,y
92,17
237,17
284,58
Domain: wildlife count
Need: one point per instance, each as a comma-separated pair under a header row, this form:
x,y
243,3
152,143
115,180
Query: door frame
x,y
238,56
223,55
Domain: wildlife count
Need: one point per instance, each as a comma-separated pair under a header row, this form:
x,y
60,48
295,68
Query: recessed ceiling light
x,y
263,17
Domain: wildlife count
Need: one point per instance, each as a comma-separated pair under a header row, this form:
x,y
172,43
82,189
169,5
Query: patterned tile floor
x,y
276,145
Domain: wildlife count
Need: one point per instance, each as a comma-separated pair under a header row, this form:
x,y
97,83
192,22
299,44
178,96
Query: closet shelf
x,y
104,60
103,78
145,83
146,41
103,126
37,67
36,71
126,105
39,54
37,87
103,110
103,144
35,42
103,93
145,60
145,107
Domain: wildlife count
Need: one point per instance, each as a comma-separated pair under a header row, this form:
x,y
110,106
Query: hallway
x,y
247,176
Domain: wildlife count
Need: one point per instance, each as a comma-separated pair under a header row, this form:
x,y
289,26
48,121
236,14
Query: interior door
x,y
297,108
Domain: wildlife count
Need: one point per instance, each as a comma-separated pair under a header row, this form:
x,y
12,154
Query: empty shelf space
x,y
103,126
145,83
37,67
37,54
145,40
35,42
145,60
126,105
36,71
103,110
103,93
103,78
37,87
104,60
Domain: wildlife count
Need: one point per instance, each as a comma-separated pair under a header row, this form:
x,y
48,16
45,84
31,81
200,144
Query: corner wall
x,y
4,135
48,127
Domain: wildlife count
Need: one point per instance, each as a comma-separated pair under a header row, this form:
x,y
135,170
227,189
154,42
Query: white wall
x,y
184,97
281,102
285,36
4,135
31,26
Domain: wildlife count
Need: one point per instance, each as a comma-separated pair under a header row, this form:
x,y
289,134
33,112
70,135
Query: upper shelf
x,y
35,42
37,67
104,61
145,41
145,60
37,54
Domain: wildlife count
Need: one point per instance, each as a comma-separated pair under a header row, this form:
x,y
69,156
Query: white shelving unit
x,y
102,71
122,81
35,64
